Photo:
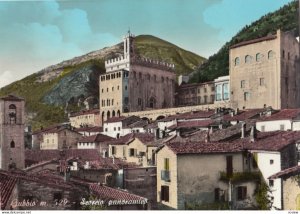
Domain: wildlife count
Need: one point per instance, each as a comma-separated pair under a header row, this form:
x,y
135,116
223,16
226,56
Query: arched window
x,y
236,61
12,144
108,114
271,54
103,116
248,59
12,114
113,113
259,57
152,102
118,113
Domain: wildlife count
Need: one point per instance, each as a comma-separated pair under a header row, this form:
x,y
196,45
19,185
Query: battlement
x,y
116,61
153,63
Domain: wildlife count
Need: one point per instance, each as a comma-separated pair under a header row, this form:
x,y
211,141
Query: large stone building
x,y
265,72
12,132
132,83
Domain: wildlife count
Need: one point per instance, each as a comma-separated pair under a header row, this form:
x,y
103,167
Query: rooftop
x,y
89,129
284,114
180,148
191,124
244,115
11,98
189,115
108,193
287,172
253,41
7,184
85,112
98,138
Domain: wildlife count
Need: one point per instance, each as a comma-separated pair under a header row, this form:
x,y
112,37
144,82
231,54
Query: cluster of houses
x,y
193,159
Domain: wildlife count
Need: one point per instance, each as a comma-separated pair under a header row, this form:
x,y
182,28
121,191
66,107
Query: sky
x,y
37,34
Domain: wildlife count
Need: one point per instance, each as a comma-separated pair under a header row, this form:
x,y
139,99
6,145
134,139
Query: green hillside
x,y
49,101
286,19
155,48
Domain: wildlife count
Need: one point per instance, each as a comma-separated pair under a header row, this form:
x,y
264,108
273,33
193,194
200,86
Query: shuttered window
x,y
164,193
241,192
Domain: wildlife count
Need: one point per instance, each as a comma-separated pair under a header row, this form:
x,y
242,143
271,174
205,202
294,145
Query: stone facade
x,y
193,184
291,193
264,72
59,139
195,94
134,84
89,118
12,132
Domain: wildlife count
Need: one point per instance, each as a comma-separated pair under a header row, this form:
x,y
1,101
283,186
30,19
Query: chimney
x,y
231,113
243,130
207,137
252,134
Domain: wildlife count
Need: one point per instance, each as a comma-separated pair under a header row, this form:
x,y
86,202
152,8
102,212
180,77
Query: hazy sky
x,y
36,34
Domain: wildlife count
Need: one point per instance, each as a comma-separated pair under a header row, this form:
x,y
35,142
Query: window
x,y
289,56
259,57
102,90
246,96
261,81
205,99
115,128
283,54
12,144
271,183
126,100
118,87
271,161
248,59
243,83
112,102
119,128
237,61
105,129
12,114
164,193
139,101
112,88
225,91
271,54
205,90
281,127
218,92
217,194
113,150
262,128
125,87
132,152
229,167
241,192
107,89
167,164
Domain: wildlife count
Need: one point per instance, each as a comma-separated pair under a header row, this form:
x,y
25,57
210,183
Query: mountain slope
x,y
62,88
286,19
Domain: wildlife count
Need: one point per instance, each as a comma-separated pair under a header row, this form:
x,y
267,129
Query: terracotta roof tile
x,y
285,114
244,115
89,129
98,138
108,193
7,184
192,124
287,172
180,148
115,119
189,115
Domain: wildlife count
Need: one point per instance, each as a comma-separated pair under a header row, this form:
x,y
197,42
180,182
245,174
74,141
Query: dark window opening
x,y
241,192
229,167
164,194
12,144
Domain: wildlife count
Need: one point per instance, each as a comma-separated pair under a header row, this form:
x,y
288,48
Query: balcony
x,y
165,175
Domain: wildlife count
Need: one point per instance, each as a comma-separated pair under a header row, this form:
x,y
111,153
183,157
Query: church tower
x,y
12,151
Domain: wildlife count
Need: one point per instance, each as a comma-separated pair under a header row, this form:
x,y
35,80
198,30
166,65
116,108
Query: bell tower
x,y
128,45
12,148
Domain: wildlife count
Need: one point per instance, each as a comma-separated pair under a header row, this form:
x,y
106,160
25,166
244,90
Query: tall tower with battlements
x,y
133,83
12,119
